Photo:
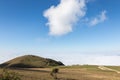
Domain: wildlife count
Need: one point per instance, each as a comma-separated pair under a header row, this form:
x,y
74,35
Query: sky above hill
x,y
73,31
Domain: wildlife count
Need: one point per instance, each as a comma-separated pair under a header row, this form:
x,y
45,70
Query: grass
x,y
29,61
114,67
84,72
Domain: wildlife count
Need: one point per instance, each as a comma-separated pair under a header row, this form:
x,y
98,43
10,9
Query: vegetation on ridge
x,y
31,61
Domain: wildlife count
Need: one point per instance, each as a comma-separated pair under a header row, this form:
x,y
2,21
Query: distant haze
x,y
78,59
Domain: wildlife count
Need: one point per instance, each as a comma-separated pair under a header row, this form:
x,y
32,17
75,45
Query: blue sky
x,y
34,27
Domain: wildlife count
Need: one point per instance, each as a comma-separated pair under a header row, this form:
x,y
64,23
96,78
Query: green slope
x,y
31,61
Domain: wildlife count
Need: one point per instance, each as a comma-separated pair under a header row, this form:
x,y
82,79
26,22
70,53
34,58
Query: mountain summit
x,y
31,61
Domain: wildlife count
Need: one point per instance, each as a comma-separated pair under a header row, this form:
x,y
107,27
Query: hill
x,y
31,61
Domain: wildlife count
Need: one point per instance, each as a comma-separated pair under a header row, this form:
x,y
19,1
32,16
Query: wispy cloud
x,y
98,19
62,17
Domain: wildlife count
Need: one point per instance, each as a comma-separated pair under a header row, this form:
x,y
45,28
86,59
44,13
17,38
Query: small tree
x,y
54,73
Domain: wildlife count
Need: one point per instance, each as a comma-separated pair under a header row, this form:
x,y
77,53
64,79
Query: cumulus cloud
x,y
100,18
62,17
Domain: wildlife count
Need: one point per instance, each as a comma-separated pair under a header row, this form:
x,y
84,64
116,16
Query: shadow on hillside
x,y
24,69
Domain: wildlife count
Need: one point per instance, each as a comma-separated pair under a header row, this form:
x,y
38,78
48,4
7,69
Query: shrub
x,y
9,75
54,73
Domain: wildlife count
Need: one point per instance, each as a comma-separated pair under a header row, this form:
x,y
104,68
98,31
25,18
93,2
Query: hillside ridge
x,y
31,61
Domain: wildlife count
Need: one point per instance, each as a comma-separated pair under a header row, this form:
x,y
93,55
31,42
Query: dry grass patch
x,y
68,73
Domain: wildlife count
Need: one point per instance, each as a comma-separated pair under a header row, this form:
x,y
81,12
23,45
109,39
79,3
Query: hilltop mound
x,y
31,61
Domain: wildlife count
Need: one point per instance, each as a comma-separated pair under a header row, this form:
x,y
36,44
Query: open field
x,y
114,67
85,72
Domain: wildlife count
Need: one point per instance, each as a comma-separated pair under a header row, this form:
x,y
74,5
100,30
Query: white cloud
x,y
62,17
100,18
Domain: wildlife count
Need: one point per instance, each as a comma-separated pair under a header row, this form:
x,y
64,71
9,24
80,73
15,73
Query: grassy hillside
x,y
85,72
29,61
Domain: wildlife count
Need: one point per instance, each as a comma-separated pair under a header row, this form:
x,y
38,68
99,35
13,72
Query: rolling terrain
x,y
82,72
32,67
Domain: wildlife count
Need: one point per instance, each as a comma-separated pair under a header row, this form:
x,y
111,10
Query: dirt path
x,y
109,69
